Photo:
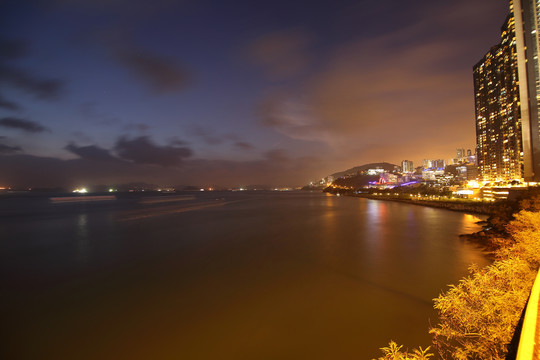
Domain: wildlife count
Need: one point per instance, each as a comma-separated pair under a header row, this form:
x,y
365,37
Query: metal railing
x,y
529,342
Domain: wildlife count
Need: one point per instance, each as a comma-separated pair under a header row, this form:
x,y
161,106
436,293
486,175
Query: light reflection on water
x,y
282,276
83,243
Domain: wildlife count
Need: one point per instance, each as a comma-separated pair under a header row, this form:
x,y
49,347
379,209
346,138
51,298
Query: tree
x,y
524,241
393,352
478,316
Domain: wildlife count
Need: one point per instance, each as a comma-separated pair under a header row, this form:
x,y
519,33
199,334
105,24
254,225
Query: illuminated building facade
x,y
407,166
438,164
498,120
527,17
507,91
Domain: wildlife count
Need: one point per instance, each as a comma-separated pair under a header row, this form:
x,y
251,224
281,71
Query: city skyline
x,y
276,93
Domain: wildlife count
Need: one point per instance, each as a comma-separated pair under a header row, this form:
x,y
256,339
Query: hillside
x,y
358,169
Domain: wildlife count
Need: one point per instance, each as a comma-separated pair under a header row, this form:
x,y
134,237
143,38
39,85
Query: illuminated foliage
x,y
393,352
525,238
478,316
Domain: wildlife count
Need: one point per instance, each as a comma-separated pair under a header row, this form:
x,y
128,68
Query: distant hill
x,y
356,181
357,169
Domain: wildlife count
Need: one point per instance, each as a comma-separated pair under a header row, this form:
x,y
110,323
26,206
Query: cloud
x,y
91,152
291,116
159,74
21,124
14,77
277,156
176,141
207,135
6,149
129,8
44,89
281,54
242,145
91,113
81,136
8,105
12,49
404,89
141,150
20,170
138,127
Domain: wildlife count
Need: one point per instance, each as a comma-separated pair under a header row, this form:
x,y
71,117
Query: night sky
x,y
233,93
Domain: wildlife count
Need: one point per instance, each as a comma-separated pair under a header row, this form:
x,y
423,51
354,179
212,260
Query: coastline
x,y
461,206
482,238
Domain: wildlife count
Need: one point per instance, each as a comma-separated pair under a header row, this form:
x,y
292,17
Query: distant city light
x,y
80,191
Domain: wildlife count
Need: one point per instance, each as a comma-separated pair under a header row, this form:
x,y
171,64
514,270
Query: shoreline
x,y
460,206
482,238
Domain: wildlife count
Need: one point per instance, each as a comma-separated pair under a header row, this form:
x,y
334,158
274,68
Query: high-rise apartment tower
x,y
498,120
527,17
507,91
407,166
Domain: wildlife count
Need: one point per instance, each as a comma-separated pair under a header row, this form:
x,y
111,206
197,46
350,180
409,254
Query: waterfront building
x,y
467,172
498,120
438,164
460,154
432,174
527,15
507,91
407,166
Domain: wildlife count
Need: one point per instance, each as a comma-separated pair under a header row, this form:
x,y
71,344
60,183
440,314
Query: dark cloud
x,y
141,150
277,156
6,149
139,127
291,116
12,76
82,137
282,53
242,145
8,105
161,75
207,135
33,171
90,152
36,171
12,49
91,113
127,7
45,89
178,142
211,137
158,73
21,124
381,89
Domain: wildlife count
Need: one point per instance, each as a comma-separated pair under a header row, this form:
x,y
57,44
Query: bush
x,y
393,352
478,316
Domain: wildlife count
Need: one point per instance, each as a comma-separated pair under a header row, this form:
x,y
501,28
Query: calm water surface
x,y
223,276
